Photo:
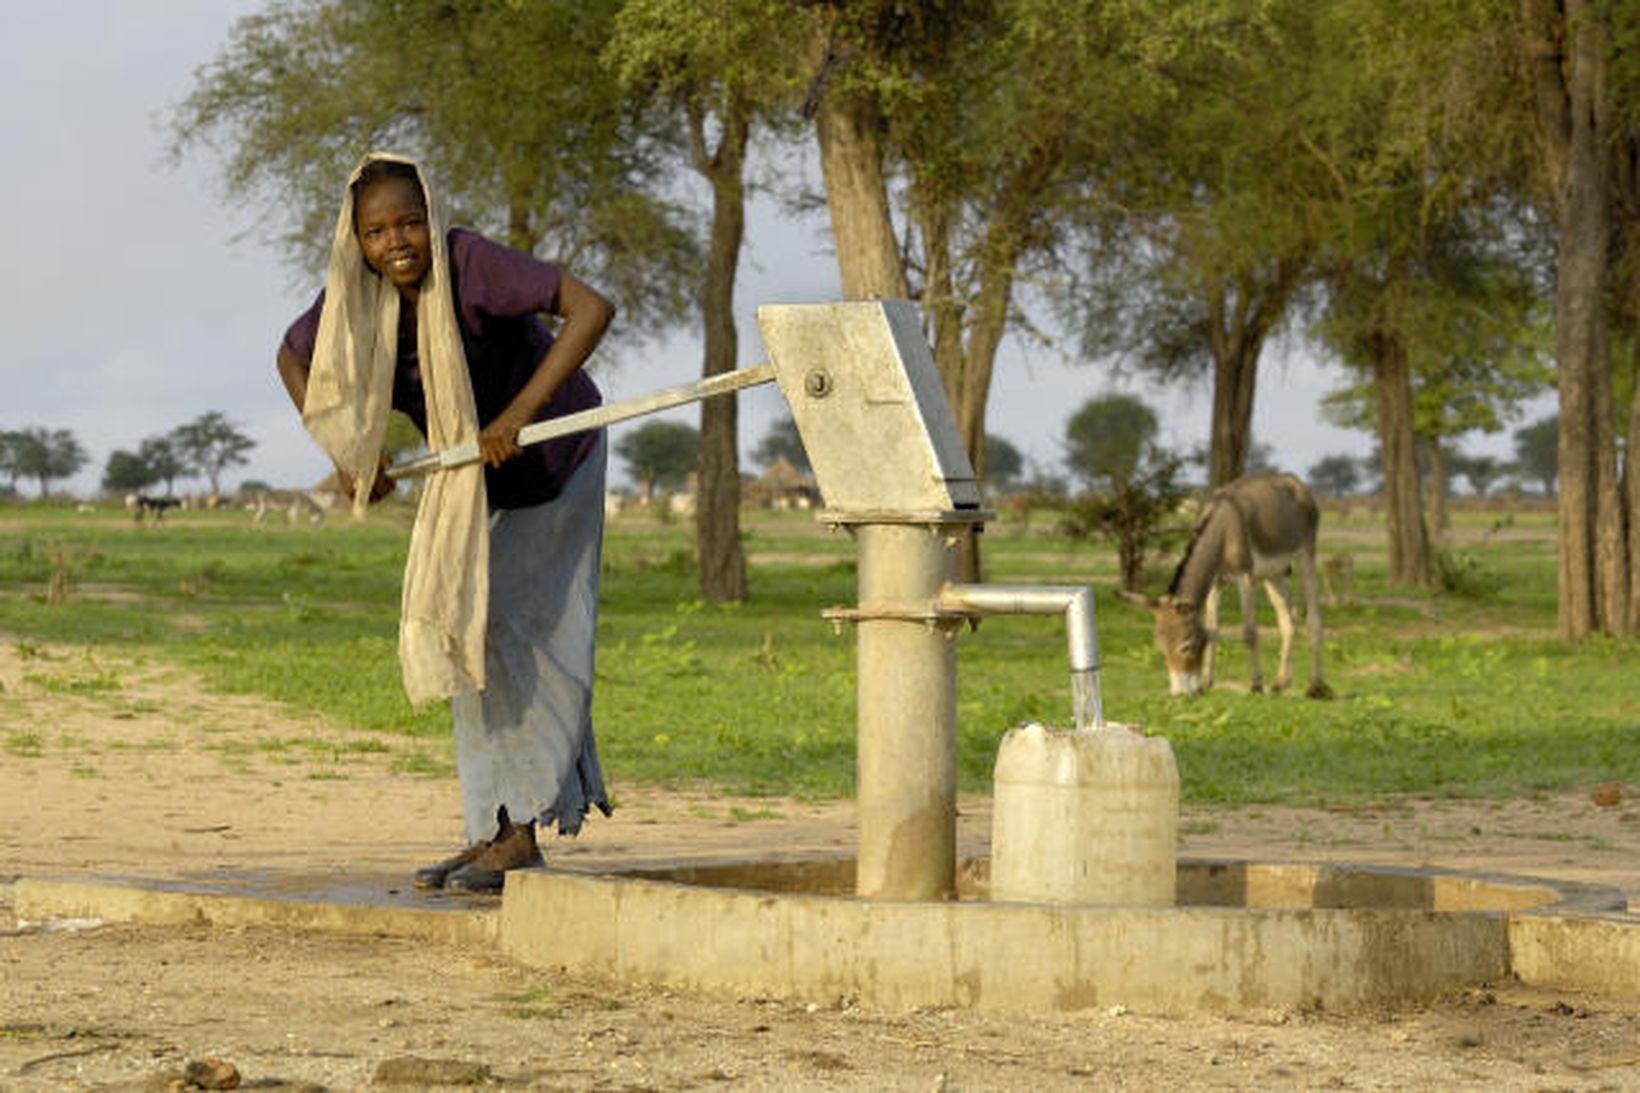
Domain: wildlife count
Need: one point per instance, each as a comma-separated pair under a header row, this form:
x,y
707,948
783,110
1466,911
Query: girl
x,y
500,602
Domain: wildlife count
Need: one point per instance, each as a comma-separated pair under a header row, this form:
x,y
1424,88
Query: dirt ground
x,y
111,768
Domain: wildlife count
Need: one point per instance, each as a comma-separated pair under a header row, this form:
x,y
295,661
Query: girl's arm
x,y
293,371
586,316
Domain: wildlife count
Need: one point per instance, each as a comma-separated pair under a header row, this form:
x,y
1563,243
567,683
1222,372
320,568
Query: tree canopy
x,y
1004,463
1439,194
160,455
782,441
1480,471
127,471
1335,475
210,444
1106,439
660,454
45,455
1537,452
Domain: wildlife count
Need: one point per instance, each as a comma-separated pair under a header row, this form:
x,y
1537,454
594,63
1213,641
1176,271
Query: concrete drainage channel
x,y
1243,936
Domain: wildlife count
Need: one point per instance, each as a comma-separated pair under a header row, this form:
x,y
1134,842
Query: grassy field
x,y
1463,691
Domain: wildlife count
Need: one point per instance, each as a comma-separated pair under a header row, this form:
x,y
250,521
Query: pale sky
x,y
133,305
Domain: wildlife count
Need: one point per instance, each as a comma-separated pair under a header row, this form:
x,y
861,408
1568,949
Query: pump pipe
x,y
1075,602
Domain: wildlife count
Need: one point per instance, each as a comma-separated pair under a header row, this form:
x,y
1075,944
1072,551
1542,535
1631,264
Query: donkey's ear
x,y
1182,608
1137,599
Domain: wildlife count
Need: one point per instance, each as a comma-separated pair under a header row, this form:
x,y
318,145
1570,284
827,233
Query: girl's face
x,y
390,219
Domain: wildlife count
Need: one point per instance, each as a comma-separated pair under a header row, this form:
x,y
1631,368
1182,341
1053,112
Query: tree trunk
x,y
1409,563
1612,589
717,503
862,226
1631,498
1235,375
1239,319
942,310
1438,520
1591,150
1580,319
945,312
967,372
987,322
521,234
1564,46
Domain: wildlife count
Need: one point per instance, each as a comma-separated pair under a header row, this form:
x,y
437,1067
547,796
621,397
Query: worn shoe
x,y
513,848
435,876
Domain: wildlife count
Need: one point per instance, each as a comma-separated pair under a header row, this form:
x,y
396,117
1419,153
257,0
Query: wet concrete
x,y
348,889
350,904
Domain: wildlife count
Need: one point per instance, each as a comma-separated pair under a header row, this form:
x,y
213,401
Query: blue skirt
x,y
525,741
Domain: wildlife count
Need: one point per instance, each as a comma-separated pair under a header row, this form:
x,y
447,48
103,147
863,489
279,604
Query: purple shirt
x,y
499,295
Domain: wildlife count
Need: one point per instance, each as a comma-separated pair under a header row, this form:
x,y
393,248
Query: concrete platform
x,y
1247,935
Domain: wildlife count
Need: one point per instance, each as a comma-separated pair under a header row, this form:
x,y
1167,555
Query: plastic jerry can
x,y
1085,816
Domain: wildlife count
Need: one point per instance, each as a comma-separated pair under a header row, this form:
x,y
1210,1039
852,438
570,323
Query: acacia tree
x,y
1468,324
1537,451
1200,238
1106,439
46,455
660,453
1419,191
1174,120
985,115
782,441
210,444
10,452
1134,484
1481,471
1335,475
723,65
127,471
1536,85
1004,463
159,454
1470,396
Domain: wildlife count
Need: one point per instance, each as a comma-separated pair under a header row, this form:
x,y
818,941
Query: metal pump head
x,y
869,407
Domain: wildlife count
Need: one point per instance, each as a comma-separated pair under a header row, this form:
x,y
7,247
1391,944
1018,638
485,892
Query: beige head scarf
x,y
350,388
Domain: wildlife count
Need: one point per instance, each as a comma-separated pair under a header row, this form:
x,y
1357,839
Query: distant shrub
x,y
1459,574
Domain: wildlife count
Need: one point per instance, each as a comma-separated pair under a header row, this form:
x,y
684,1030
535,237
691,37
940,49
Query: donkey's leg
x,y
1210,628
1312,617
1276,589
1249,627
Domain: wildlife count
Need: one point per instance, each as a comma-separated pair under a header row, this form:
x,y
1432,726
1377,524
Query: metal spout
x,y
1075,602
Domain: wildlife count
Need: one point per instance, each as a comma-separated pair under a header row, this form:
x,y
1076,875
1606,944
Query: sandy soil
x,y
115,768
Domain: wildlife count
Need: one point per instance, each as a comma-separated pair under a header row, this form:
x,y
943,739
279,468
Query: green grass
x,y
1463,692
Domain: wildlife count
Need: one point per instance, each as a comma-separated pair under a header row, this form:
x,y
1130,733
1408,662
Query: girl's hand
x,y
586,315
382,486
498,442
